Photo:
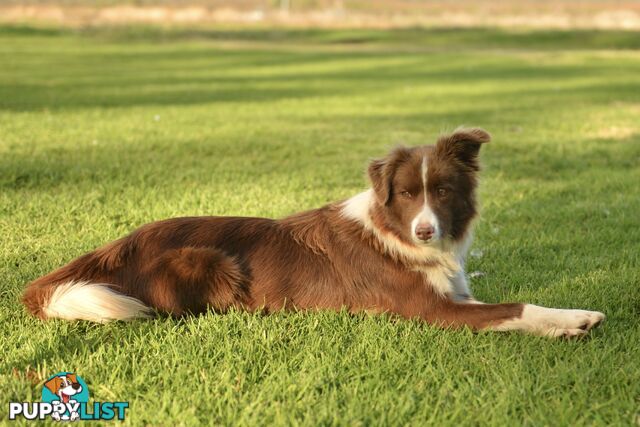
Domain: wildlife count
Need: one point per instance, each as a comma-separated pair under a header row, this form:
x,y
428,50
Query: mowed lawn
x,y
104,130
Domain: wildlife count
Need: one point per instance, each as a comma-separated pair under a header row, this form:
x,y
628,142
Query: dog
x,y
65,387
398,247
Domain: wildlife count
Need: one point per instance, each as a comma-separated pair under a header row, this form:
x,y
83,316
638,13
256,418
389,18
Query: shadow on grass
x,y
108,78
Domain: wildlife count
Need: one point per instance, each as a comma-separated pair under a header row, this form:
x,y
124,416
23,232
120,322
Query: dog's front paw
x,y
552,322
569,323
555,322
75,416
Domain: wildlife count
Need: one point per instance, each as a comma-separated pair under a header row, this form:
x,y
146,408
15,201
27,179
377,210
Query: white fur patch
x,y
426,215
92,301
440,278
552,322
358,206
423,171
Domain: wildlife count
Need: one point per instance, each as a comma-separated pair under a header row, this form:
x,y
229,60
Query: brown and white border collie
x,y
398,248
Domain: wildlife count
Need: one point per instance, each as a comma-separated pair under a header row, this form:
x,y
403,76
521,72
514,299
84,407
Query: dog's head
x,y
427,193
64,384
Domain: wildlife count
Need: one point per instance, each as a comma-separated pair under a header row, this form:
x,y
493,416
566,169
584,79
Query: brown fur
x,y
318,259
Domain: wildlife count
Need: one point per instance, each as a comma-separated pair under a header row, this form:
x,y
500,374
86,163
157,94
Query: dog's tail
x,y
71,292
82,300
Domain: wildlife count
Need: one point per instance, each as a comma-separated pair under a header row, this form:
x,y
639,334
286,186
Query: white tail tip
x,y
93,301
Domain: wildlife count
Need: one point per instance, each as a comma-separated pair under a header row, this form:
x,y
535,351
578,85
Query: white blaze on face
x,y
426,216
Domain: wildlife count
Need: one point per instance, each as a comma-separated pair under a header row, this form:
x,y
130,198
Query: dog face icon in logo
x,y
64,386
65,390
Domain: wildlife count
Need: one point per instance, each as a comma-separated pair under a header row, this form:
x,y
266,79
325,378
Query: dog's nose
x,y
76,386
425,232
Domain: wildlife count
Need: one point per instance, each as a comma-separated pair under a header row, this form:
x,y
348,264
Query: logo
x,y
65,397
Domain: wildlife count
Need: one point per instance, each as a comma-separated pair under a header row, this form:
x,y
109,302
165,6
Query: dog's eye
x,y
442,192
405,194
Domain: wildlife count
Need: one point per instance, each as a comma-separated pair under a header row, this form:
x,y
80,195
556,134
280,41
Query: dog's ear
x,y
54,384
464,145
381,172
379,181
73,378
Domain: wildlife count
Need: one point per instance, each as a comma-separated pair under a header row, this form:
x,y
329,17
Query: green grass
x,y
104,130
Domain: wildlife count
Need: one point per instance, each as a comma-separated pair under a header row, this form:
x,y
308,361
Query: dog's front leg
x,y
460,288
514,317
